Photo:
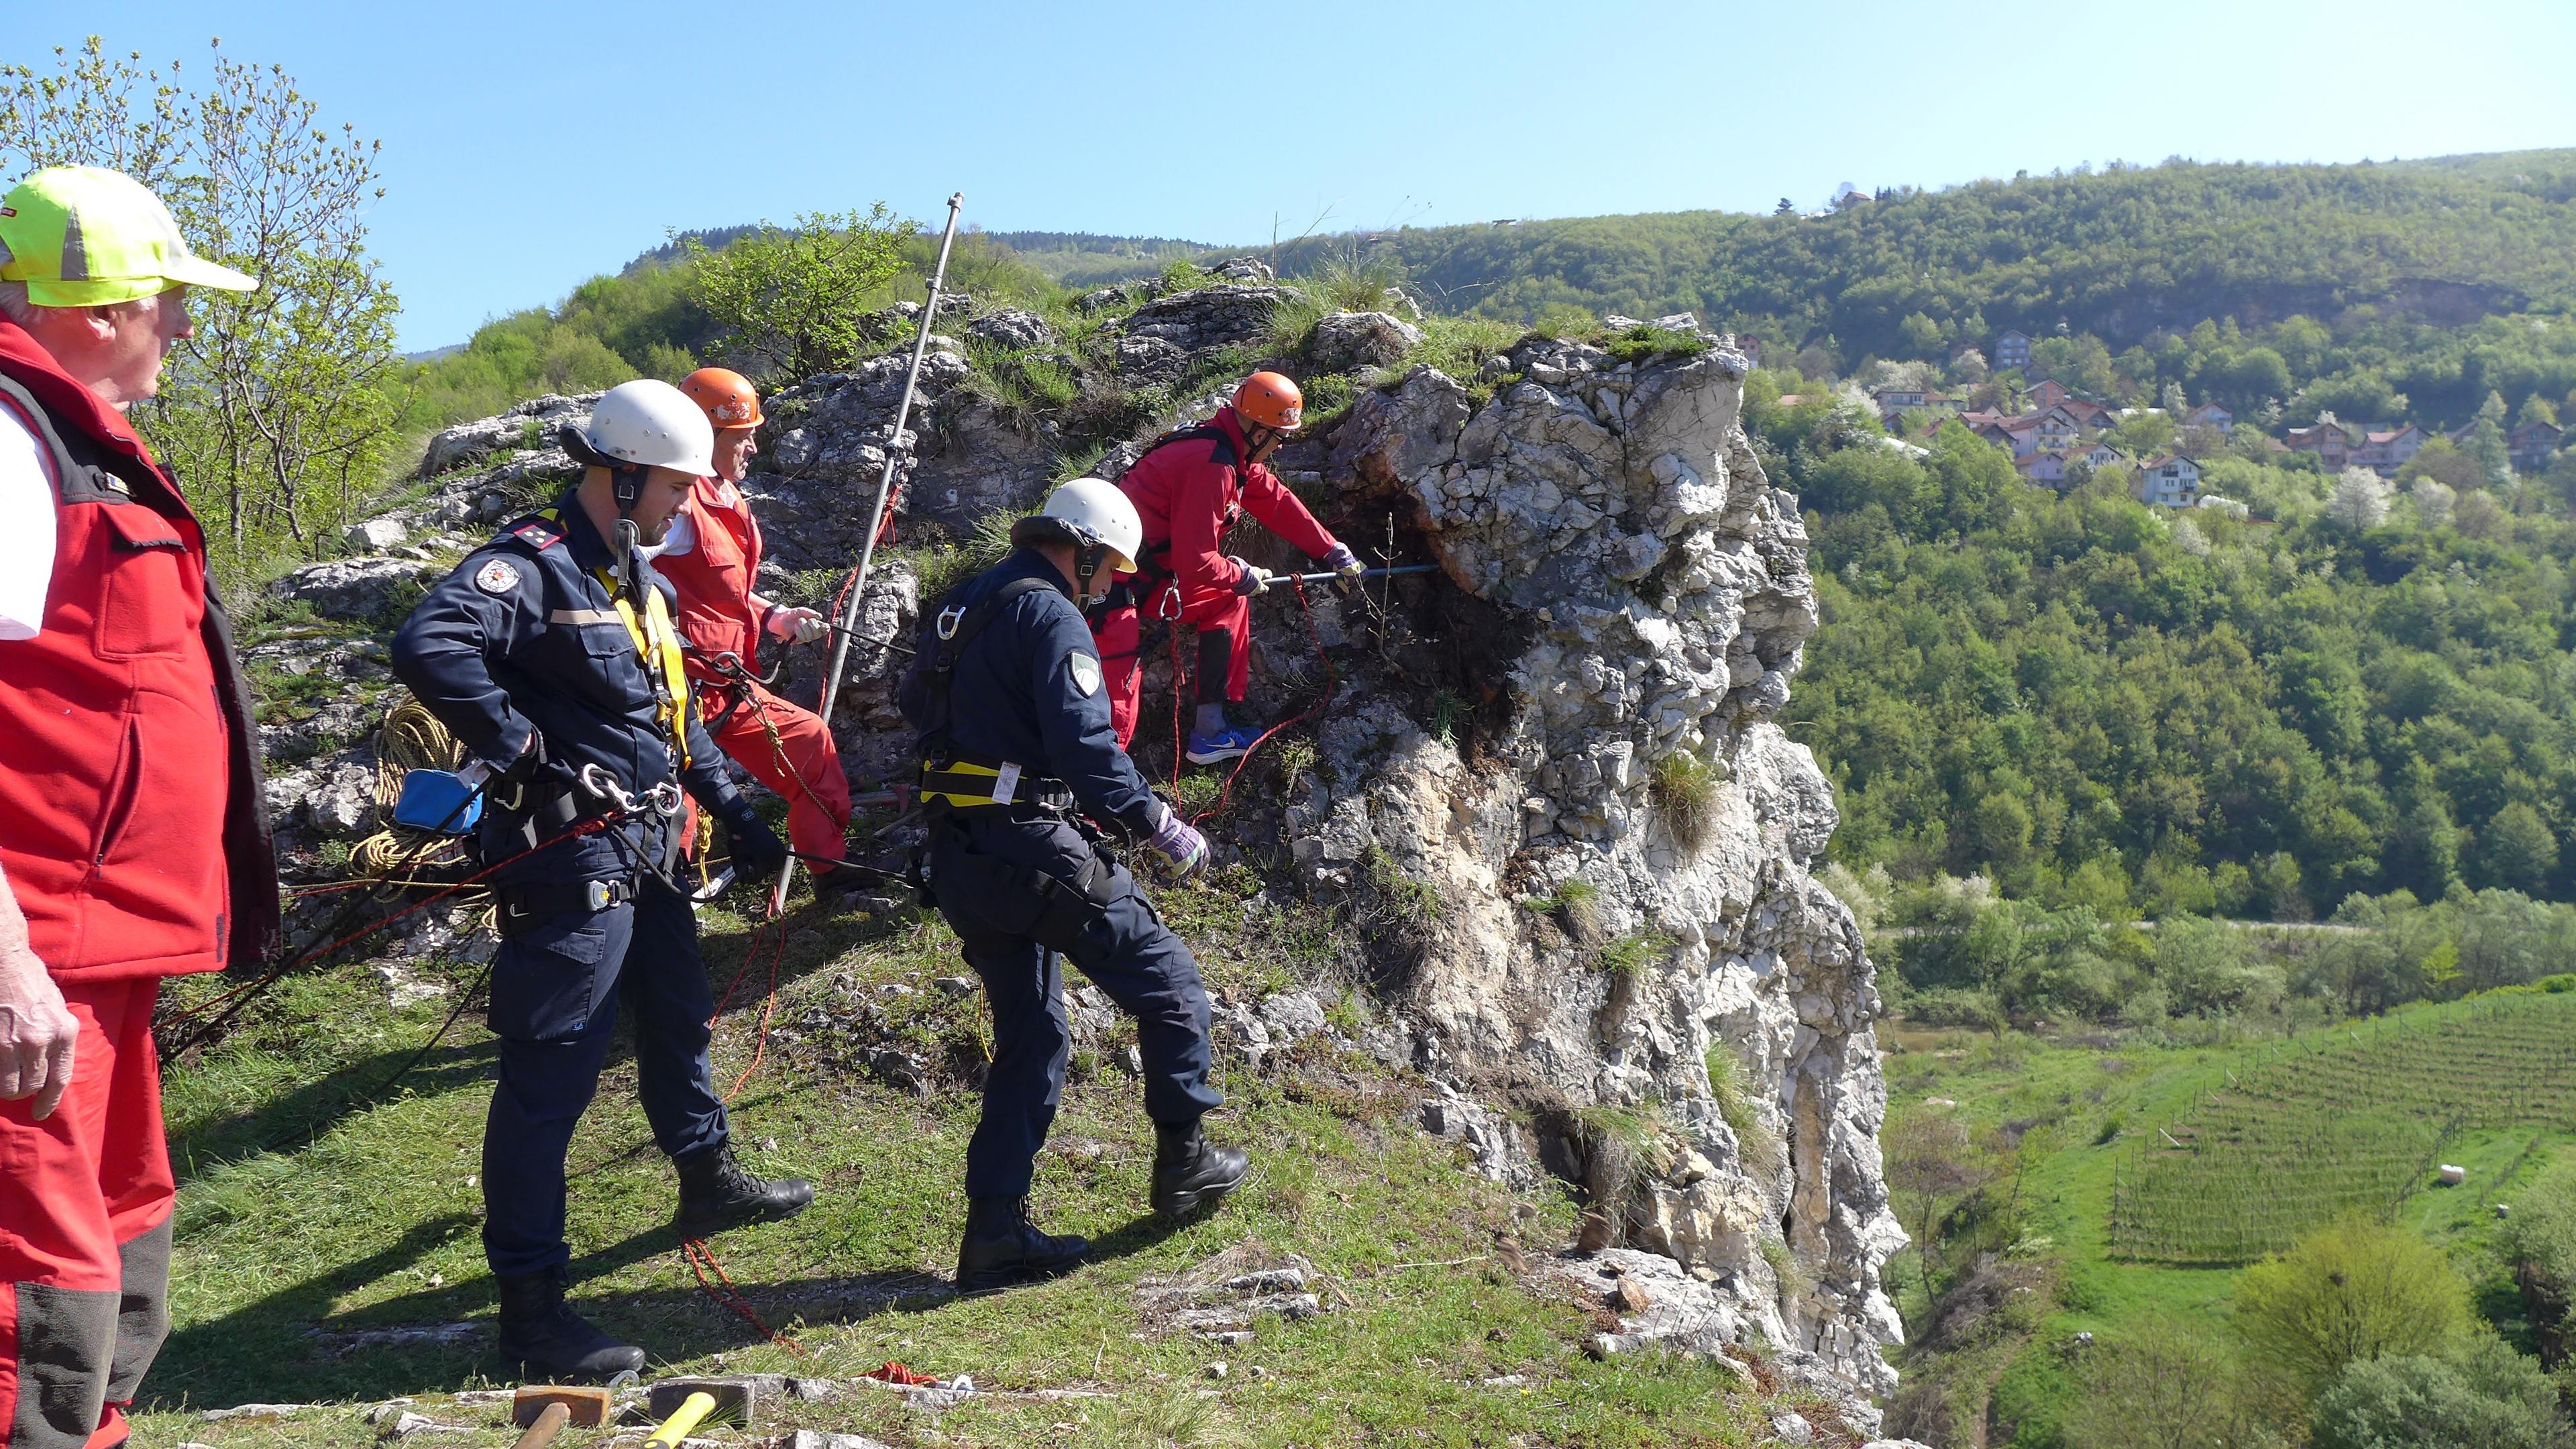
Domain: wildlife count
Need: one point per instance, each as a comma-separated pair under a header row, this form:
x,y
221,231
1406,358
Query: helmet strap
x,y
1086,562
627,484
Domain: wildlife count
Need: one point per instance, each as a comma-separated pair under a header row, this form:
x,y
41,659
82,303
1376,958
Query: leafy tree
x,y
794,302
2516,850
274,415
2441,461
2349,1293
2485,444
2536,409
2479,1395
2360,500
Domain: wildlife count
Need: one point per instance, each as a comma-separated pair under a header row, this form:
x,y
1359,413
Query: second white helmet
x,y
652,423
1099,513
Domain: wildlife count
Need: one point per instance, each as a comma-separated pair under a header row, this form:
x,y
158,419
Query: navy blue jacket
x,y
1019,693
523,637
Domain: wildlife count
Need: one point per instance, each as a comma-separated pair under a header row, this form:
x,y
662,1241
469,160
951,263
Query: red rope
x,y
591,826
702,1261
1332,680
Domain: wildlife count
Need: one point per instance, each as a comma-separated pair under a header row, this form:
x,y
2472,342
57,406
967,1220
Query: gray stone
x,y
820,1439
1346,341
1012,327
357,588
1208,317
376,535
1149,359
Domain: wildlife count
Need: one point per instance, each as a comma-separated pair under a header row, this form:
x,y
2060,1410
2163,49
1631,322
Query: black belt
x,y
524,906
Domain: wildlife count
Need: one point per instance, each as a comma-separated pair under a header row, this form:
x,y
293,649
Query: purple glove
x,y
1342,561
1252,580
1179,843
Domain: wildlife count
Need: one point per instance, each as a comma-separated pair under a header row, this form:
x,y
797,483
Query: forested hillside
x,y
2119,253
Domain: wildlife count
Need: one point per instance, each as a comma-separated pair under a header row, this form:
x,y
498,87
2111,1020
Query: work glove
x,y
1252,580
797,626
757,850
1342,561
1179,843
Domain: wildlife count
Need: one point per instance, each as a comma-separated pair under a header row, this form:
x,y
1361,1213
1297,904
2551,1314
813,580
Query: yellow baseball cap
x,y
84,236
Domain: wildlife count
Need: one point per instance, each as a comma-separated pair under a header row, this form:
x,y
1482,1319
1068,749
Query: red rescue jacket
x,y
1188,489
125,727
715,578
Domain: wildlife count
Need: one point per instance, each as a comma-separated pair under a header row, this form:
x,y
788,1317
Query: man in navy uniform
x,y
551,655
1015,740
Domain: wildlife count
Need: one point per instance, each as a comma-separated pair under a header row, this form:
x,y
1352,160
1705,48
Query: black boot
x,y
550,1343
1189,1174
715,1193
1003,1248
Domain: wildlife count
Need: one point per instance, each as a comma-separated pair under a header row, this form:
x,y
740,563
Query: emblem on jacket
x,y
497,576
1086,673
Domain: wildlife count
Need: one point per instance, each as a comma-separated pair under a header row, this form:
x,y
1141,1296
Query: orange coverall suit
x,y
1188,488
714,572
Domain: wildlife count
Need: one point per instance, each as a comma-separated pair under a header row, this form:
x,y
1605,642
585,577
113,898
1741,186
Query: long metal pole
x,y
849,620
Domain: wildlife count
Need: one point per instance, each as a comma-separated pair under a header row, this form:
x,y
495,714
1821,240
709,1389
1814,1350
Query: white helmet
x,y
1090,513
652,423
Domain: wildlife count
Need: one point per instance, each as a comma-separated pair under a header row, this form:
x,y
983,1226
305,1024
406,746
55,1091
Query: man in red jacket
x,y
124,729
1189,487
712,557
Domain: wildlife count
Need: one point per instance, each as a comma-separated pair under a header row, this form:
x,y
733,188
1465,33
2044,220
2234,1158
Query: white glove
x,y
1253,579
798,626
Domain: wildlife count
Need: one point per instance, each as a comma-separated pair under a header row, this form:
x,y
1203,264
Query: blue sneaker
x,y
1210,749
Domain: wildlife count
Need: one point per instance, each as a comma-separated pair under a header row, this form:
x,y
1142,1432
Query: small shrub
x,y
1578,910
2478,1393
1646,343
1622,959
1683,788
1736,1107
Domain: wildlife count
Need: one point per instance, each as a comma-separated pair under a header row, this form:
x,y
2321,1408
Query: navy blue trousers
x,y
1126,949
556,989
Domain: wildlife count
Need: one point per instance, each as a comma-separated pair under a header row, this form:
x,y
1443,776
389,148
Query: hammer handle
x,y
676,1428
550,1421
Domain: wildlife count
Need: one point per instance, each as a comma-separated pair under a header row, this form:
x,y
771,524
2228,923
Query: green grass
x,y
316,1204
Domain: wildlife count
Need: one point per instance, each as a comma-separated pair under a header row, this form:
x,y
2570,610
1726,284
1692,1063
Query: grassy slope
x,y
363,1215
2068,1088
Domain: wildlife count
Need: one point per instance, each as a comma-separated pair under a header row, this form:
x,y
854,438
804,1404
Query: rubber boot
x,y
548,1342
1003,1248
715,1193
1190,1174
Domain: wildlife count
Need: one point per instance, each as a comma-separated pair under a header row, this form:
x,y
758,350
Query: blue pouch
x,y
430,799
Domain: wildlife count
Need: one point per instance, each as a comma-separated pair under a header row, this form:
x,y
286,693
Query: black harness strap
x,y
953,628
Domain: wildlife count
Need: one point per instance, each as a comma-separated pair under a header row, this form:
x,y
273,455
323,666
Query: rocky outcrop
x,y
1578,850
1345,341
1654,594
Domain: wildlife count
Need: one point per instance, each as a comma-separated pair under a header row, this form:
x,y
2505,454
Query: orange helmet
x,y
1271,400
728,397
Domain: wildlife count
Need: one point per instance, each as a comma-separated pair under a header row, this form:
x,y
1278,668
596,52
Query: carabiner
x,y
604,785
1168,607
949,619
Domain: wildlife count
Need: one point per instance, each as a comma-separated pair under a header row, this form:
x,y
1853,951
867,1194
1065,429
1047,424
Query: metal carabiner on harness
x,y
1167,606
949,618
662,801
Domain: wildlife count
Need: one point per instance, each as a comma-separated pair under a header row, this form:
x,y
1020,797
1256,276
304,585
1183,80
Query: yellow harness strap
x,y
657,644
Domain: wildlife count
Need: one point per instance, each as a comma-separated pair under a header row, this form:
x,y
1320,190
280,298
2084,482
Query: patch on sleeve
x,y
497,576
1086,673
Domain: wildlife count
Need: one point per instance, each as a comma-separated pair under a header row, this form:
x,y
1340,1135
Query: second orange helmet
x,y
729,398
1271,400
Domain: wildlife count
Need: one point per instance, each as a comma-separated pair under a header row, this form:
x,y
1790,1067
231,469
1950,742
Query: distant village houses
x,y
2210,415
2012,350
2385,450
2169,482
2326,438
2532,445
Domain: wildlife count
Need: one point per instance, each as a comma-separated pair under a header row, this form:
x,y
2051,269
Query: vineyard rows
x,y
2347,1122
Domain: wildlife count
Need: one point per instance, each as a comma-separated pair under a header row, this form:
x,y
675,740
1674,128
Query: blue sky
x,y
529,146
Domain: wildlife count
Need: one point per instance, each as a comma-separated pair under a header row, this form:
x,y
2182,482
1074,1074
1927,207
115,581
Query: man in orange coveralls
x,y
1188,488
712,558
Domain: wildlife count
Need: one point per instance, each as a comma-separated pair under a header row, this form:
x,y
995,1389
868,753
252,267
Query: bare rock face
x,y
1615,514
1206,317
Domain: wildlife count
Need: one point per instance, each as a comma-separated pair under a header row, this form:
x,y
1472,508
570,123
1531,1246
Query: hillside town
x,y
2060,438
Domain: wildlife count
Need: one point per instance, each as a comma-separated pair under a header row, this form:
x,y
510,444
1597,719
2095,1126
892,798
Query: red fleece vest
x,y
114,758
715,578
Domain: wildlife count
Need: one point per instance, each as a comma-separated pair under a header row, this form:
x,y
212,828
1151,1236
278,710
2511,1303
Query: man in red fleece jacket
x,y
125,737
1189,488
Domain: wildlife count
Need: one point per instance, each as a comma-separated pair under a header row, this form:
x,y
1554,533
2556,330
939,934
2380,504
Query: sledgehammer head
x,y
736,1400
589,1408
